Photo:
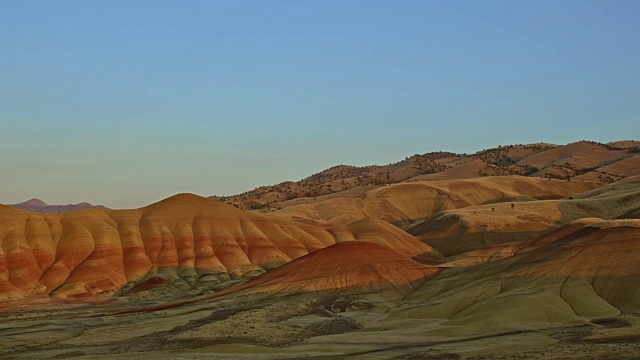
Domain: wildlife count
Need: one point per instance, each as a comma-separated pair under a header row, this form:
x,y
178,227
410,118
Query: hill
x,y
583,160
354,266
589,272
460,230
406,203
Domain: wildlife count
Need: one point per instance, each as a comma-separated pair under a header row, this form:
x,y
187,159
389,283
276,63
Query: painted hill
x,y
562,264
37,205
583,160
186,241
405,203
589,272
356,266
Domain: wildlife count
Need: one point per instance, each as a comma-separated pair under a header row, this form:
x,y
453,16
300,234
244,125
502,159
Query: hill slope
x,y
353,266
590,272
583,160
475,227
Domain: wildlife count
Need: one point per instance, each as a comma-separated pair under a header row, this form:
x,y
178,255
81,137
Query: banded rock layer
x,y
190,241
348,266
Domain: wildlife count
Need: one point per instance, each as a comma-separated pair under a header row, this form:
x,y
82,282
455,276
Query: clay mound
x,y
191,242
407,202
590,272
355,265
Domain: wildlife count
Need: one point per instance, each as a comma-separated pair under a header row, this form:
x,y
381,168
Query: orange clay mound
x,y
407,202
189,241
354,265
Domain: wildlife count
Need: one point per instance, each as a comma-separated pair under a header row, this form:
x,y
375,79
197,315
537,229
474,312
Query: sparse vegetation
x,y
499,161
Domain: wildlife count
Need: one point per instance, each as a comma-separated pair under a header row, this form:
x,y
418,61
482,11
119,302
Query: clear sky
x,y
123,103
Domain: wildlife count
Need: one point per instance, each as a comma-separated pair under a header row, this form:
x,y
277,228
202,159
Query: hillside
x,y
583,160
587,273
461,230
405,203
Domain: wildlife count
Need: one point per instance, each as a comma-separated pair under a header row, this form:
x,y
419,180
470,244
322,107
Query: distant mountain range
x,y
37,205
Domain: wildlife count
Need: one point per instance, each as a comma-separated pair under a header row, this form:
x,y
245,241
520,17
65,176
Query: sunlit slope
x,y
407,202
581,154
191,242
582,161
592,271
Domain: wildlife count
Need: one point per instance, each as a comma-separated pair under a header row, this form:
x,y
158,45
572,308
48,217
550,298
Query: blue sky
x,y
124,103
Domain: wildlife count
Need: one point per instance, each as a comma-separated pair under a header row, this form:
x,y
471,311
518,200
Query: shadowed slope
x,y
189,241
592,271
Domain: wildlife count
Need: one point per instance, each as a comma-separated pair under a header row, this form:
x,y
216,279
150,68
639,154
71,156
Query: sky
x,y
124,103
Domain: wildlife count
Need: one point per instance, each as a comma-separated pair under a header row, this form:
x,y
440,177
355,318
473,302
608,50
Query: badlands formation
x,y
426,265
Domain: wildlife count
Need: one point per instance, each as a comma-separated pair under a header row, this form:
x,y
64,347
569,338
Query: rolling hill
x,y
406,203
583,160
